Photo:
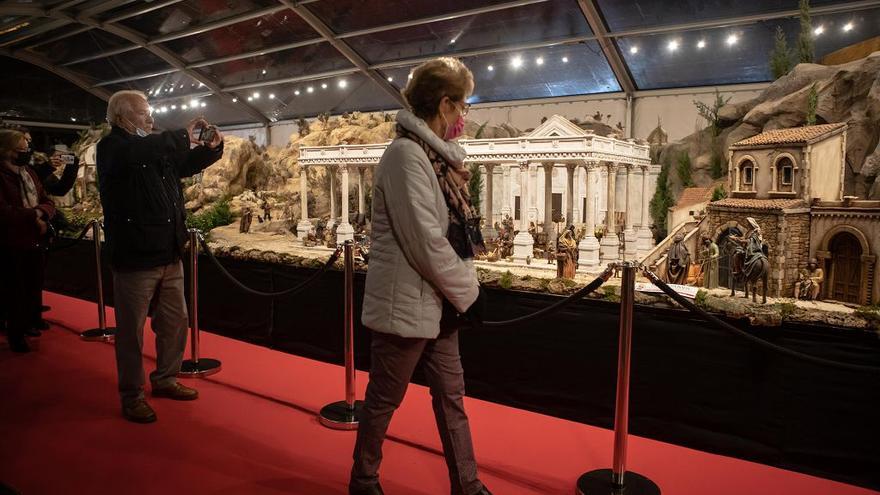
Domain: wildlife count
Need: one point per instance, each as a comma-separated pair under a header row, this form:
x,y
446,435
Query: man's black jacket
x,y
139,182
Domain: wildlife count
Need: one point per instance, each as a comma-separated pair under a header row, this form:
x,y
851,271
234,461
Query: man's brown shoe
x,y
138,411
176,392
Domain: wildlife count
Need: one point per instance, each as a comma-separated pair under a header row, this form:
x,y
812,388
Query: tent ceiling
x,y
356,54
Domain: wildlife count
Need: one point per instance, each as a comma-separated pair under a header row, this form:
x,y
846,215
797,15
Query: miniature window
x,y
747,178
785,175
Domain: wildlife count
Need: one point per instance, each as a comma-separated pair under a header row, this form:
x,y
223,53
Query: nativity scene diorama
x,y
774,200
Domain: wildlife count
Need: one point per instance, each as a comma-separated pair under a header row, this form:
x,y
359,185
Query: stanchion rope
x,y
285,292
751,338
587,289
73,242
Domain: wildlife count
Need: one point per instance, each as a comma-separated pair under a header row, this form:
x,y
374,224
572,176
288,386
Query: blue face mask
x,y
137,130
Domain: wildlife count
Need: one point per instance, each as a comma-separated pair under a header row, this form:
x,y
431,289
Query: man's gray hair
x,y
120,103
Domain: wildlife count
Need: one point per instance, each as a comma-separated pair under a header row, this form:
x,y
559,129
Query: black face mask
x,y
23,158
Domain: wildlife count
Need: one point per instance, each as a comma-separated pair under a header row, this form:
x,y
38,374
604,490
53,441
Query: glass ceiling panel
x,y
311,59
168,86
554,19
738,54
632,14
81,45
131,63
565,70
246,36
15,30
36,94
192,13
353,92
352,15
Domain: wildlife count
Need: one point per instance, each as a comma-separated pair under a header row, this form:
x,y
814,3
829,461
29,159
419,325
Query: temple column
x,y
523,244
644,232
362,204
570,192
631,249
489,225
344,232
548,200
332,173
588,248
506,202
610,243
303,227
533,195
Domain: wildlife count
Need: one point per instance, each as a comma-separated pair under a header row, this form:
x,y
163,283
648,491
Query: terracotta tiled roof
x,y
694,195
794,135
761,204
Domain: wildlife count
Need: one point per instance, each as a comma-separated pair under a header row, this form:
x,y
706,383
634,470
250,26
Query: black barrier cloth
x,y
692,384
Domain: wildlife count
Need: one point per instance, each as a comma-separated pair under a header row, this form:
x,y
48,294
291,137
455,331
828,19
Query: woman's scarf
x,y
464,221
28,189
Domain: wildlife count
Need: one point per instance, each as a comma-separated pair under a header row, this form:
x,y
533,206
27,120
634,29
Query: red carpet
x,y
254,431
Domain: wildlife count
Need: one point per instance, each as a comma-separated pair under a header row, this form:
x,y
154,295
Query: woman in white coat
x,y
424,236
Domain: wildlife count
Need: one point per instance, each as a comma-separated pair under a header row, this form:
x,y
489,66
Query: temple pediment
x,y
557,126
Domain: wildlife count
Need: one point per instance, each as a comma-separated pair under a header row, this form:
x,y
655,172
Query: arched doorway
x,y
726,248
846,268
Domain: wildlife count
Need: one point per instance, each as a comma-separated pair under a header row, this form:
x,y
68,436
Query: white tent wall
x,y
674,107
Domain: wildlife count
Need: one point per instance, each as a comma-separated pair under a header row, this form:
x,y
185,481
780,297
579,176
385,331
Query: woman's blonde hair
x,y
9,139
434,79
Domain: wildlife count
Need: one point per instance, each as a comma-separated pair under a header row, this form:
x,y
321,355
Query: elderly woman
x,y
25,211
425,233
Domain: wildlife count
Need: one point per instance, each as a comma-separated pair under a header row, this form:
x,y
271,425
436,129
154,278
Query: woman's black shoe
x,y
32,332
366,490
19,345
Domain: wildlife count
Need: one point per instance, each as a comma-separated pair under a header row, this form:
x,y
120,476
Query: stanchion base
x,y
339,416
99,334
198,369
598,482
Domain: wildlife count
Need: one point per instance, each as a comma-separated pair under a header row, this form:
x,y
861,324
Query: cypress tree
x,y
780,57
805,38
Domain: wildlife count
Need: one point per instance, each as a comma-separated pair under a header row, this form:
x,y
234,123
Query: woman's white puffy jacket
x,y
412,265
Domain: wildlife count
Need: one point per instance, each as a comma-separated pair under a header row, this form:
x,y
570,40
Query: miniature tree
x,y
719,192
780,57
710,113
662,200
812,103
475,185
805,38
685,169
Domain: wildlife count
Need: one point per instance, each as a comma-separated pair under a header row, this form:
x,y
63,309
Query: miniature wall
x,y
826,166
763,179
677,216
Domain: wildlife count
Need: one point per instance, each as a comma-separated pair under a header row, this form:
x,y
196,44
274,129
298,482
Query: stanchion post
x,y
618,480
102,333
343,415
196,366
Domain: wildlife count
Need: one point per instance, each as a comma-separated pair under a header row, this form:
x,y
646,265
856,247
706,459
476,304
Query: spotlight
x,y
73,119
171,90
264,72
250,98
174,107
732,39
701,44
490,68
296,92
271,96
390,79
194,103
203,105
310,89
324,85
163,109
673,45
819,30
183,107
343,83
256,95
539,60
633,50
516,62
235,100
564,60
848,27
452,41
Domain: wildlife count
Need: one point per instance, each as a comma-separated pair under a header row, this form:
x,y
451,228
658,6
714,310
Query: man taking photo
x,y
144,217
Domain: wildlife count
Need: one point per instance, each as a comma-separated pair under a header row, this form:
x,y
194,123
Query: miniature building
x,y
791,181
691,205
